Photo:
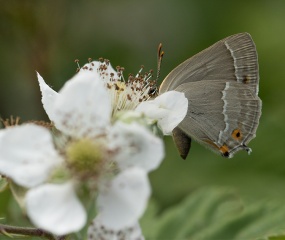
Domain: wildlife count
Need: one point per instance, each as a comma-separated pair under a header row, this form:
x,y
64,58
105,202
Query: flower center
x,y
85,158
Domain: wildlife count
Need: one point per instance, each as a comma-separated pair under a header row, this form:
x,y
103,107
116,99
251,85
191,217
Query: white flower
x,y
82,110
134,146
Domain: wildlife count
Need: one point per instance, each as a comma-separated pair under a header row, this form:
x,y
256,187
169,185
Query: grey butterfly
x,y
221,85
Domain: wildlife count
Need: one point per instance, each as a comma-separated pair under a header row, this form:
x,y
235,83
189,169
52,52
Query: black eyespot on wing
x,y
226,154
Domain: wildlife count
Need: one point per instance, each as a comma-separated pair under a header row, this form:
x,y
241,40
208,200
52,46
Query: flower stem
x,y
36,232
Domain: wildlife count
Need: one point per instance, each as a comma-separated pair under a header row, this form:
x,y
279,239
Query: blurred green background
x,y
47,36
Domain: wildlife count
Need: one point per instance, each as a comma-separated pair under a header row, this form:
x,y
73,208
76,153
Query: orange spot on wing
x,y
236,134
224,150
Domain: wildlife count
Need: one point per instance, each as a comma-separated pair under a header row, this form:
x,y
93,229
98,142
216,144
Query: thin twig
x,y
36,232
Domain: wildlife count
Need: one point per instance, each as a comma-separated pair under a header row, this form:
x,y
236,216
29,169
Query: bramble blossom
x,y
104,141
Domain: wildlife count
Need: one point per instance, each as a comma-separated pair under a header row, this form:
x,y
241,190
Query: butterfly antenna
x,y
160,54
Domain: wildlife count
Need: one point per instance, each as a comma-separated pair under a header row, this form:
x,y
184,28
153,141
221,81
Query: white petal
x,y
55,208
27,154
124,202
48,97
98,231
169,109
136,146
83,107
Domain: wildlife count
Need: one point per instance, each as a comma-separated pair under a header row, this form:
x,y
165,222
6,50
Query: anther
x,y
107,61
116,87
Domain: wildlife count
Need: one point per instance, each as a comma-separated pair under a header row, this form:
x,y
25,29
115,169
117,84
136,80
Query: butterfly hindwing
x,y
221,115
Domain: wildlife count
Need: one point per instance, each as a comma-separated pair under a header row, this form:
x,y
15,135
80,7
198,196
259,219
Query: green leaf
x,y
218,213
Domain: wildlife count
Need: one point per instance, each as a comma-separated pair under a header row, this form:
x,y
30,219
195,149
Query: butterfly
x,y
221,84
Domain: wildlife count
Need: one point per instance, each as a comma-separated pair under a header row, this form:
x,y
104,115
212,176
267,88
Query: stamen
x,y
120,71
107,61
10,122
78,66
142,67
125,94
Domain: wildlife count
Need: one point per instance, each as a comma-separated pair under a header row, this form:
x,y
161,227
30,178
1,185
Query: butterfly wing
x,y
221,85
